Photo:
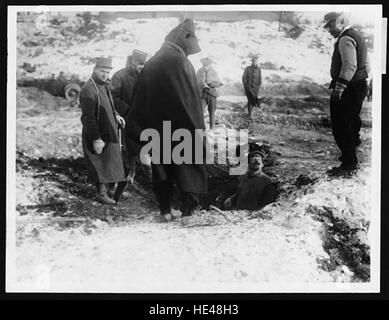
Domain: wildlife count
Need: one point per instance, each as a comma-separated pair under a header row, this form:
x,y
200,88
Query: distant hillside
x,y
223,16
69,42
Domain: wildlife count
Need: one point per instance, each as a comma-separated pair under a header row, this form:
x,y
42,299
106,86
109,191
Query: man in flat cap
x,y
123,81
100,127
168,93
349,88
252,80
255,189
122,88
209,82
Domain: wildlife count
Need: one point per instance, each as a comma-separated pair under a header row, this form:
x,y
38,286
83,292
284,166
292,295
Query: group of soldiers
x,y
166,87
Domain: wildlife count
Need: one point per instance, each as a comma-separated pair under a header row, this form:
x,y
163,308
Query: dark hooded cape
x,y
167,90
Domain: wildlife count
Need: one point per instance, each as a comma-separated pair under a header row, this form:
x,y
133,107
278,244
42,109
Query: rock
x,y
38,52
303,180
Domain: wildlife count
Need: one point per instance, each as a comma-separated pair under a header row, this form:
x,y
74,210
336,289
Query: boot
x,y
111,187
102,195
344,170
119,192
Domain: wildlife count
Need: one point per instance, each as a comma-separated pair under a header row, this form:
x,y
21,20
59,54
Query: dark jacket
x,y
361,55
122,88
167,90
254,192
252,80
98,121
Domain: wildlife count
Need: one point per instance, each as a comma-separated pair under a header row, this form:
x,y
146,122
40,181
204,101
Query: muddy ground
x,y
316,232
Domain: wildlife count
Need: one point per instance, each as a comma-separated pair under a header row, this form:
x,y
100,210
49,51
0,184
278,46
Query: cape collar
x,y
169,44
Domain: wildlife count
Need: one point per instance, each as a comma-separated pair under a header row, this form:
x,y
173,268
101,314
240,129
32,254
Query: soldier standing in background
x,y
349,88
123,81
252,80
209,82
100,131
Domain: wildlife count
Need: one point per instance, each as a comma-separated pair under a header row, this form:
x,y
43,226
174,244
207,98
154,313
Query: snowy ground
x,y
128,249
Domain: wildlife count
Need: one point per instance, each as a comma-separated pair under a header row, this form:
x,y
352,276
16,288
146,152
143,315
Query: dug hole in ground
x,y
316,232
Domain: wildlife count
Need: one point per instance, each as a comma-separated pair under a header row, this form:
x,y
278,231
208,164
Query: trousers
x,y
346,121
210,102
163,191
251,101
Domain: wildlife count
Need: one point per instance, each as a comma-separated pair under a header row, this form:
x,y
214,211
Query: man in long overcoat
x,y
100,127
349,71
167,90
124,80
122,88
252,80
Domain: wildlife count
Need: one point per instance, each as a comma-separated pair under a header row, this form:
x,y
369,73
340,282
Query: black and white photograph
x,y
194,148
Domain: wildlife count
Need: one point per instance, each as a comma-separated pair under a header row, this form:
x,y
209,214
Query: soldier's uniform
x,y
209,82
122,88
100,125
252,80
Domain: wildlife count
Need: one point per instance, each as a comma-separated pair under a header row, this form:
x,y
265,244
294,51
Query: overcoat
x,y
167,90
252,80
99,121
122,88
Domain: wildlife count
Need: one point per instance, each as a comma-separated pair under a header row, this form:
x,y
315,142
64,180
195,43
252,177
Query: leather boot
x,y
111,187
102,195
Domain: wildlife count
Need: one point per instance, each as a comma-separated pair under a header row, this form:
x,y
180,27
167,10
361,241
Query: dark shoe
x,y
167,217
111,190
103,198
119,192
102,195
343,170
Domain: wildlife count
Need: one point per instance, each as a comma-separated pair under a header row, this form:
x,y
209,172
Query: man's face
x,y
255,163
102,73
333,29
206,68
255,62
138,66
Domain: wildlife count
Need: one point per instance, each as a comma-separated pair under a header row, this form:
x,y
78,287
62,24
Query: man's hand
x,y
121,121
336,95
98,146
228,203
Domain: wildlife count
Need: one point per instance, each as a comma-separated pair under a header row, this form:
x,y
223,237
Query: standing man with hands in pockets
x,y
100,132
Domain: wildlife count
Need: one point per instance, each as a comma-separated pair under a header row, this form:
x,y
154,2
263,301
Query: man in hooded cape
x,y
167,91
